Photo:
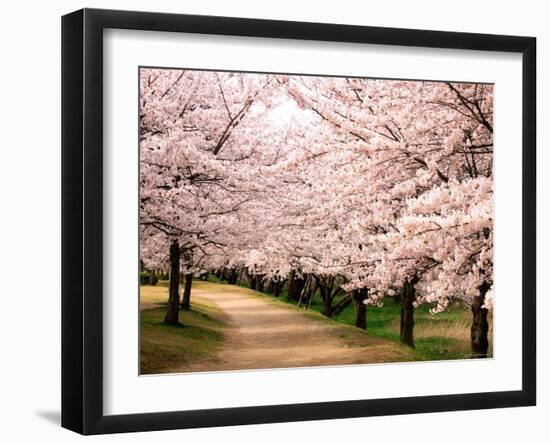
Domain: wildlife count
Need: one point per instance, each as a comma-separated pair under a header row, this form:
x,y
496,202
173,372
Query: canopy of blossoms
x,y
374,184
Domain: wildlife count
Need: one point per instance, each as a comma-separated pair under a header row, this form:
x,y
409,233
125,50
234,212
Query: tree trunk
x,y
360,296
295,286
154,278
277,286
260,283
327,309
407,311
240,277
172,309
480,325
223,275
327,300
328,289
186,301
311,291
307,291
252,281
232,277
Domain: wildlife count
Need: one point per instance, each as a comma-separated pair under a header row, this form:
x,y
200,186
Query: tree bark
x,y
232,276
307,291
360,296
277,286
408,297
311,290
240,277
223,275
186,301
327,309
172,309
295,286
327,300
154,278
480,325
252,281
260,283
328,289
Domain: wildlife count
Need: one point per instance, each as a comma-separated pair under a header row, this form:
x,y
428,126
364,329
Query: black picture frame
x,y
82,218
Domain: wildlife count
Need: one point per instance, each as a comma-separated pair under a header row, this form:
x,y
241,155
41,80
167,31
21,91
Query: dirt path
x,y
264,333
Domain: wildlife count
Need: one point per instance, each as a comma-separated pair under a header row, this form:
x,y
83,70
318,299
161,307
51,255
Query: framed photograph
x,y
269,221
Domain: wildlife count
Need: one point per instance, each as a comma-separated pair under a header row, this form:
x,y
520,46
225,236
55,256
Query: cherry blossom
x,y
372,187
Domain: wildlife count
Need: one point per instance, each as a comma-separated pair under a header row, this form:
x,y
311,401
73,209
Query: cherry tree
x,y
371,187
410,137
189,122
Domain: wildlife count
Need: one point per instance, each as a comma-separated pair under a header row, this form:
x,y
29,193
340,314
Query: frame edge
x,y
72,221
529,220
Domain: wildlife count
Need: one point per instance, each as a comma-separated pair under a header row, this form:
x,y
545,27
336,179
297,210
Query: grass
x,y
442,336
168,348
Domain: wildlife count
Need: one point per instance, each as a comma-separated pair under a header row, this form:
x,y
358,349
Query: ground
x,y
231,328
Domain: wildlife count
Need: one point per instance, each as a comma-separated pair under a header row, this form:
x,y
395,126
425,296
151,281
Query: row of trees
x,y
373,188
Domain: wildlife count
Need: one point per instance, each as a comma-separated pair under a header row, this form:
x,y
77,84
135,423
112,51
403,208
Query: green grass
x,y
442,336
167,348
